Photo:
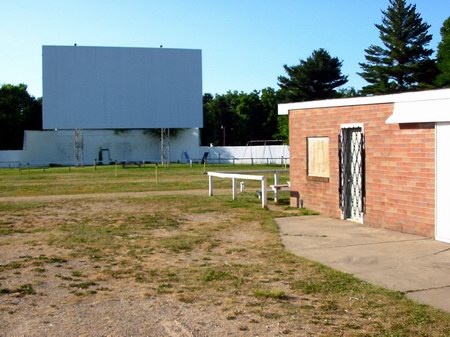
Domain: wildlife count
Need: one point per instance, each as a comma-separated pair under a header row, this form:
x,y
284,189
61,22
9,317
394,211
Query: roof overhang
x,y
411,107
420,112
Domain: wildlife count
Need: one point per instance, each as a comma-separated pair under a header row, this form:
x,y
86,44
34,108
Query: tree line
x,y
19,111
401,62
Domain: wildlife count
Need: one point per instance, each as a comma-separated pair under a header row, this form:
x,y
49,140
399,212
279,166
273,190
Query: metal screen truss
x,y
78,147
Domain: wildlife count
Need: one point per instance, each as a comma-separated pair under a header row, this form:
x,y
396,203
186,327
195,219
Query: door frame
x,y
363,173
442,182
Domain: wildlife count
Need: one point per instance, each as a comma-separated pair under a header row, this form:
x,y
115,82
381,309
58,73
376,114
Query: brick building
x,y
382,160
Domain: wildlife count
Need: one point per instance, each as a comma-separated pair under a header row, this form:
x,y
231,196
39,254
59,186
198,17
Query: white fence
x,y
269,154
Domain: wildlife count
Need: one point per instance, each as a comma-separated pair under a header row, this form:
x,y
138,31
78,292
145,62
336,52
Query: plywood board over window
x,y
318,158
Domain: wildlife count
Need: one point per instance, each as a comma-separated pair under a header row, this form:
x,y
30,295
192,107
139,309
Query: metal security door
x,y
351,153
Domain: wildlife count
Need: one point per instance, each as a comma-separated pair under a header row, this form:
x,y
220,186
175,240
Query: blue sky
x,y
244,43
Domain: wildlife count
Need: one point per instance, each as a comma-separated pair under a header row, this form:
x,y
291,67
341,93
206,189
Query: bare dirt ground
x,y
49,290
154,264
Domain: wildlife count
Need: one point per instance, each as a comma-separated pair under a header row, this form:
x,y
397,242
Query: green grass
x,y
215,275
205,252
17,207
329,281
61,180
276,294
183,242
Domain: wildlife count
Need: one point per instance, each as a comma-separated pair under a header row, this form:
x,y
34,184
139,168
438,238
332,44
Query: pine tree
x,y
403,63
313,79
443,56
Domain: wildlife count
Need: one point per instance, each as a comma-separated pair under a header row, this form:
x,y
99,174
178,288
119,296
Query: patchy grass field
x,y
145,263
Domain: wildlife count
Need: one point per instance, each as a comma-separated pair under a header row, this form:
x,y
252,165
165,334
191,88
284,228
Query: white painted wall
x,y
442,182
42,148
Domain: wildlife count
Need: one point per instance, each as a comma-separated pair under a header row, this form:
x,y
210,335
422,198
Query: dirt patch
x,y
163,265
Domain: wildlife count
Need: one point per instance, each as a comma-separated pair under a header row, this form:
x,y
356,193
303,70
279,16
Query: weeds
x,y
276,294
83,285
9,266
182,242
215,275
25,289
330,281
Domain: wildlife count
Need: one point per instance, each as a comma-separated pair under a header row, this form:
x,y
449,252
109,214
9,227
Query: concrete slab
x,y
416,265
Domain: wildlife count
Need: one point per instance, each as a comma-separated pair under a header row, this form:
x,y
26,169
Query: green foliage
x,y
403,63
443,56
236,117
19,111
349,92
282,128
315,78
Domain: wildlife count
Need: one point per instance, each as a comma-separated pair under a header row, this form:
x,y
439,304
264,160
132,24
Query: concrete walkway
x,y
415,265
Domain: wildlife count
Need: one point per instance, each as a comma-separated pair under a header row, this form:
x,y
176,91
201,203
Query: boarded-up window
x,y
318,159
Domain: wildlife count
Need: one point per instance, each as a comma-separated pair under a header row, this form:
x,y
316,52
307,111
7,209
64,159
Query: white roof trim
x,y
443,95
420,111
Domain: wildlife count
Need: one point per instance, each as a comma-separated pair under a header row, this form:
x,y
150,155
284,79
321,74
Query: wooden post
x,y
210,191
276,176
264,192
233,188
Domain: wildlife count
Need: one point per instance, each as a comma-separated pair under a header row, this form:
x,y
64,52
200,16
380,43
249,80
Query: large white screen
x,y
121,88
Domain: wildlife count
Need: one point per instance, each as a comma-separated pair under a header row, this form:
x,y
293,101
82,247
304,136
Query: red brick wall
x,y
399,166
